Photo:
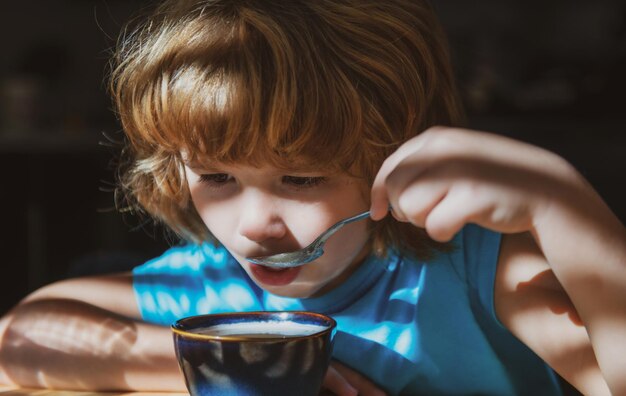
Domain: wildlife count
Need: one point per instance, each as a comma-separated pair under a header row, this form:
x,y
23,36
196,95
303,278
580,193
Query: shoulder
x,y
474,246
192,280
474,257
186,258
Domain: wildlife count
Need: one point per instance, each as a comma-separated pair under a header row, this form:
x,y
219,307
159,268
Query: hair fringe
x,y
298,83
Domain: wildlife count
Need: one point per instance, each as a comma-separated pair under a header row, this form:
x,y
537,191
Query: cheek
x,y
220,224
307,222
308,225
196,194
347,243
214,216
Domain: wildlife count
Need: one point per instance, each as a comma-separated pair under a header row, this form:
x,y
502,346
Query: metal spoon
x,y
307,254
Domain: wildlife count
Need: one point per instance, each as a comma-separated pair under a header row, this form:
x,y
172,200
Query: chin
x,y
292,291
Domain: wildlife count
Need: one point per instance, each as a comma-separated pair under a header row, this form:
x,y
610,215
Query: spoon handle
x,y
330,231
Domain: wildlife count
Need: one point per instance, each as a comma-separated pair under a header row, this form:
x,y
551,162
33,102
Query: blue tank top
x,y
413,327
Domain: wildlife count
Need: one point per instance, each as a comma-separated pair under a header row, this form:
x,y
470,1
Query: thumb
x,y
379,197
380,205
337,384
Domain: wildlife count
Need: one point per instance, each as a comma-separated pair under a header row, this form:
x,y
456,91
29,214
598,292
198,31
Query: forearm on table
x,y
585,244
68,344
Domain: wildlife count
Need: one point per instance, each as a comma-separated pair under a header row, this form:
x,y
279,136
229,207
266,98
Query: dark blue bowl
x,y
247,363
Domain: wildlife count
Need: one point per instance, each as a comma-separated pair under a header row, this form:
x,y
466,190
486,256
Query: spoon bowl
x,y
307,254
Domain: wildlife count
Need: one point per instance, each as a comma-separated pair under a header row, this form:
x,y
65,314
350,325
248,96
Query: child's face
x,y
261,211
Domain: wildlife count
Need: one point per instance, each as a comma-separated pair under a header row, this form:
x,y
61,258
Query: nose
x,y
260,219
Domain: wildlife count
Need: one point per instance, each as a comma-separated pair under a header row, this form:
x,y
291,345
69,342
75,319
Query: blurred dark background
x,y
547,72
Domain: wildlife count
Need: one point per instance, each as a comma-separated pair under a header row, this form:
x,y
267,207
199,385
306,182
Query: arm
x,y
534,306
84,334
446,178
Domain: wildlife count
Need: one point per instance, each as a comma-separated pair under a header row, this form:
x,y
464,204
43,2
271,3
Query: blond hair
x,y
302,82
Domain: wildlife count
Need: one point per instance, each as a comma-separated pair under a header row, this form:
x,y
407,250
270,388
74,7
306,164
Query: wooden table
x,y
12,391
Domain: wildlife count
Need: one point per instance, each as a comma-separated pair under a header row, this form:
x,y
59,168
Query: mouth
x,y
274,276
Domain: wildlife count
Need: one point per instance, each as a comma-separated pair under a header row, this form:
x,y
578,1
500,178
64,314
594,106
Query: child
x,y
255,125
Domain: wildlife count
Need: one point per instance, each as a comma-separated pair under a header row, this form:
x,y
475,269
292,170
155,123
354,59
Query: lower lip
x,y
272,277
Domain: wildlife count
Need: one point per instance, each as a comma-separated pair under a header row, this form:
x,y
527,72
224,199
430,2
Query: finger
x,y
337,384
417,200
364,386
413,171
388,192
380,200
379,197
451,214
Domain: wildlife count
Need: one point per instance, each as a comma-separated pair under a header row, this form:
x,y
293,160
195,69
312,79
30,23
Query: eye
x,y
216,179
304,181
